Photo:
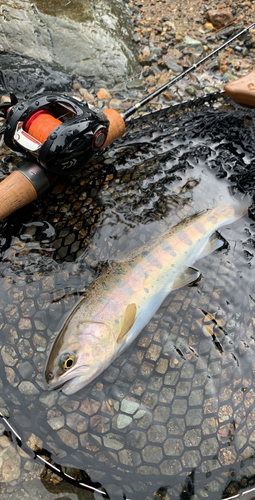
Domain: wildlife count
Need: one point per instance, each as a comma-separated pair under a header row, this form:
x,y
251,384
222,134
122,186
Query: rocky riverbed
x,y
171,37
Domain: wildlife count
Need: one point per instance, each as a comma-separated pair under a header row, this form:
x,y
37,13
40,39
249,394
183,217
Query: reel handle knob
x,y
116,128
242,91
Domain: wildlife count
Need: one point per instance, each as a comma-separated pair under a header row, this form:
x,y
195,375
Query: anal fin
x,y
214,243
186,277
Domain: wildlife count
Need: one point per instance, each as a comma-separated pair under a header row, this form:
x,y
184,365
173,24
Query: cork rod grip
x,y
117,126
16,191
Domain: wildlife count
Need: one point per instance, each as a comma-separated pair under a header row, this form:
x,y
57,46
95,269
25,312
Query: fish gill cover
x,y
174,415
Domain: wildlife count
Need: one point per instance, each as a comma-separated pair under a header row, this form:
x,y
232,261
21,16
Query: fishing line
x,y
41,124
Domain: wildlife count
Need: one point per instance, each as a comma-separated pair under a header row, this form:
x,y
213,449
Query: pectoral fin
x,y
128,321
214,243
186,277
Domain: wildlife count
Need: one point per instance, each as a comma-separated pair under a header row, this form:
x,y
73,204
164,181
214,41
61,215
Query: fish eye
x,y
67,361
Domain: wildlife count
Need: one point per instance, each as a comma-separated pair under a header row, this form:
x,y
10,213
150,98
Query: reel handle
x,y
242,91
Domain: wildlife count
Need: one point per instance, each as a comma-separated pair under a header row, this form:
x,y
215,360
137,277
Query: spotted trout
x,y
124,298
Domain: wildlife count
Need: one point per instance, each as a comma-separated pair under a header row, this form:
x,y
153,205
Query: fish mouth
x,y
64,384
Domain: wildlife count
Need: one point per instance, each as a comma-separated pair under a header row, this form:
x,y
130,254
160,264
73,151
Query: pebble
x,y
219,17
114,104
136,84
28,388
103,94
229,77
209,26
191,90
123,421
26,369
189,42
172,64
129,406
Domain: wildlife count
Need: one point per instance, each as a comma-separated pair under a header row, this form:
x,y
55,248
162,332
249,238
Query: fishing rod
x,y
59,135
229,89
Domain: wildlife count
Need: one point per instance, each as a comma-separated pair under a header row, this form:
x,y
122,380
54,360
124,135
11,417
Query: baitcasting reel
x,y
58,135
58,132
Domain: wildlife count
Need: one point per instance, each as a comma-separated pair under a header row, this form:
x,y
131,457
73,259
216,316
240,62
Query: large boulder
x,y
90,39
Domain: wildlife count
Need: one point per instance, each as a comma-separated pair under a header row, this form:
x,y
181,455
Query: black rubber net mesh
x,y
174,415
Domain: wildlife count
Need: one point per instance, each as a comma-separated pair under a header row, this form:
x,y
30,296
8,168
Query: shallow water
x,y
175,412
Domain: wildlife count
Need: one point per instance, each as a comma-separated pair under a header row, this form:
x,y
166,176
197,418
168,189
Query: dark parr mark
x,y
199,227
167,248
184,238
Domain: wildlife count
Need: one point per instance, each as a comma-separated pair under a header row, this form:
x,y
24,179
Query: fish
x,y
120,303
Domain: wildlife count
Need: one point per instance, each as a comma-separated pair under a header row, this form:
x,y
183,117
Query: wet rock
x,y
34,442
229,77
191,90
68,438
209,447
11,461
87,96
136,83
57,422
26,369
48,399
209,26
157,434
189,42
9,356
194,417
191,458
173,447
219,17
113,441
176,426
152,454
171,467
89,406
103,94
64,40
28,388
179,407
100,424
39,341
130,457
192,437
173,65
123,421
129,406
115,104
77,422
213,63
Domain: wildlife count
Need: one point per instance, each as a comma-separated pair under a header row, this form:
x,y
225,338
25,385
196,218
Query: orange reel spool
x,y
41,124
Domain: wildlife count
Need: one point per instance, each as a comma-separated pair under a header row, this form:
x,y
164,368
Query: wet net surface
x,y
174,415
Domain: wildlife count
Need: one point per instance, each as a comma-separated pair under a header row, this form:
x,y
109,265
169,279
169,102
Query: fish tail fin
x,y
236,207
